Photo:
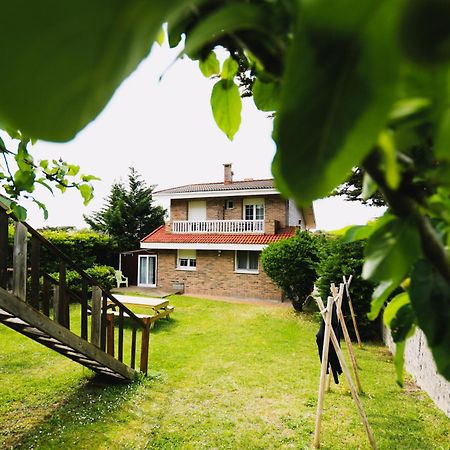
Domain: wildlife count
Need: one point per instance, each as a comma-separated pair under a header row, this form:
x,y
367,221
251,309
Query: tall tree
x,y
128,214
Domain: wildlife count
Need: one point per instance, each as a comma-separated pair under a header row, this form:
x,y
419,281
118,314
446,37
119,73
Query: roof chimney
x,y
227,174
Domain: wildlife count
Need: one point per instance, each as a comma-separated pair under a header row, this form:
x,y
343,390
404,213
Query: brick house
x,y
213,239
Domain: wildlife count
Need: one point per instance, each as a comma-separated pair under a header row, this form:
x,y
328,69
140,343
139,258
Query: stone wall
x,y
215,275
420,364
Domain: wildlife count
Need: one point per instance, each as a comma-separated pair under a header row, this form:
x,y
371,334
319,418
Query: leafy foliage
x,y
344,259
103,275
362,84
128,215
292,264
20,173
86,247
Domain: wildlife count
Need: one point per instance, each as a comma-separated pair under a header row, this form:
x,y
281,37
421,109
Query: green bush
x,y
103,275
347,259
292,265
86,248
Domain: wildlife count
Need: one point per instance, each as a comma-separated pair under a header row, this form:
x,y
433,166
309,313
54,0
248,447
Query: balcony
x,y
218,226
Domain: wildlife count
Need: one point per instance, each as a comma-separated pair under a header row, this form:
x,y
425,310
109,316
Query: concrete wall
x,y
420,364
215,275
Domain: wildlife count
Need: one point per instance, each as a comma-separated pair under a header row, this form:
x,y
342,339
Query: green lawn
x,y
223,376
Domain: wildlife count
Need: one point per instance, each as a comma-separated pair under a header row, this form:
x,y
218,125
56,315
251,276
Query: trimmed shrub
x,y
347,259
292,265
104,276
86,248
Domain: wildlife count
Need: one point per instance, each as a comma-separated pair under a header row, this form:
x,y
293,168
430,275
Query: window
x,y
254,209
229,204
187,259
247,261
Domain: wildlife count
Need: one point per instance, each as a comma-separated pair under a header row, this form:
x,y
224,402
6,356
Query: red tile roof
x,y
160,236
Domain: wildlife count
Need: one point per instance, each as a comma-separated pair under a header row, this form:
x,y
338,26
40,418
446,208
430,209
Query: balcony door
x,y
197,211
147,271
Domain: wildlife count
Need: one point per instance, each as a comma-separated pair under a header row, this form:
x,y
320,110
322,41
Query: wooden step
x,y
21,317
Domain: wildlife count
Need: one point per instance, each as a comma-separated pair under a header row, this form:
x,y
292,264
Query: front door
x,y
147,270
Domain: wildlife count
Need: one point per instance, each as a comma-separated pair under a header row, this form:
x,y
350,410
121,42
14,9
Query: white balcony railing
x,y
218,226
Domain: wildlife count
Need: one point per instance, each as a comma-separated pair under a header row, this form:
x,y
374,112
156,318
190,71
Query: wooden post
x,y
120,343
96,315
347,339
133,349
46,297
20,261
323,369
145,346
56,312
350,304
35,267
103,322
110,334
62,310
84,312
348,377
3,249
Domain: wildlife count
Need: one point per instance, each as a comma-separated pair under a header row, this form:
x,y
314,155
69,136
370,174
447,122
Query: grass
x,y
223,376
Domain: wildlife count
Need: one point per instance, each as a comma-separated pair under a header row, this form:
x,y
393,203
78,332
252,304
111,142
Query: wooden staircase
x,y
43,310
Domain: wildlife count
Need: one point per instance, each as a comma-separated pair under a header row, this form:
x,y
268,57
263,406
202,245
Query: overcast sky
x,y
165,129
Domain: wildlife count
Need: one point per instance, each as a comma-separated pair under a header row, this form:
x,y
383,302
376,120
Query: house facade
x,y
212,242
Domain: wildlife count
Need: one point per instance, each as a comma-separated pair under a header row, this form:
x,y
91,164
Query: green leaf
x,y
226,105
87,178
229,69
399,361
2,146
400,318
42,207
391,250
424,31
44,164
442,146
233,17
20,212
380,296
430,299
209,66
407,107
394,305
369,187
266,95
358,232
160,37
81,51
392,171
339,85
86,193
73,170
24,180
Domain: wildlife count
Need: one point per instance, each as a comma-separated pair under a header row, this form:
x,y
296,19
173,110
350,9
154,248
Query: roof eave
x,y
221,193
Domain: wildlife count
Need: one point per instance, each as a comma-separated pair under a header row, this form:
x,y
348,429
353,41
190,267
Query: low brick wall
x,y
420,364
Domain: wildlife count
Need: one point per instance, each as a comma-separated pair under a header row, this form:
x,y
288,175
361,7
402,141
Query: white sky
x,y
165,129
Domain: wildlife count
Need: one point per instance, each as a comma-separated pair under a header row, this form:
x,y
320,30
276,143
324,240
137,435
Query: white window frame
x,y
254,202
249,271
190,256
155,257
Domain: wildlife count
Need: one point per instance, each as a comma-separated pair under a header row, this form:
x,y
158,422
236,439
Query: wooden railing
x,y
218,226
52,296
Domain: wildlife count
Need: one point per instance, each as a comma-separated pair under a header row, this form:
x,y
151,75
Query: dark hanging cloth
x,y
333,360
